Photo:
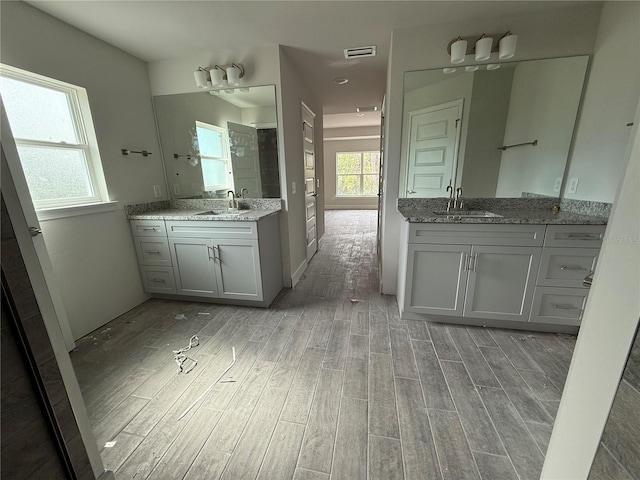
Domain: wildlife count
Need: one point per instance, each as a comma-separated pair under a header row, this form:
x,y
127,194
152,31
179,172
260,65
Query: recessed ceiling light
x,y
340,81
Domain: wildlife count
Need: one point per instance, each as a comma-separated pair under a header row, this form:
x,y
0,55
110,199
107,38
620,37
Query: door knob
x,y
34,232
411,191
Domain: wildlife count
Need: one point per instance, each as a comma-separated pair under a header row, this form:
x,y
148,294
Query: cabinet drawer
x,y
477,234
158,279
586,236
208,229
566,267
153,251
148,228
562,306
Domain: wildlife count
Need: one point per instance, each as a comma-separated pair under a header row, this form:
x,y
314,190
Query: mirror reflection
x,y
213,142
497,131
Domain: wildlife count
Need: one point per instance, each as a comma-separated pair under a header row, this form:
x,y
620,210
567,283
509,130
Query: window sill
x,y
73,211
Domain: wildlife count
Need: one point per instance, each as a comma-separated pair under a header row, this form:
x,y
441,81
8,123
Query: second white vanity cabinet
x,y
479,271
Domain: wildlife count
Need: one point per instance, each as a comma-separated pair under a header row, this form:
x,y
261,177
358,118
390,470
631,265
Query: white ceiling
x,y
314,32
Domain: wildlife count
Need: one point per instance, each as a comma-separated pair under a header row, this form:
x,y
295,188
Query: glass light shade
x,y
471,68
201,78
217,77
233,76
448,70
493,66
458,51
508,47
483,48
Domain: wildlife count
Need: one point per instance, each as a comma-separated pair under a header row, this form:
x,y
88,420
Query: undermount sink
x,y
212,212
468,213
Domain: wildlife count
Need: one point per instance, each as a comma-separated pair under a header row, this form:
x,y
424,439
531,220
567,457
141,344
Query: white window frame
x,y
226,158
361,174
88,144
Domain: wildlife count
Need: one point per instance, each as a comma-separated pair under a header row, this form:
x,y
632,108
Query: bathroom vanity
x,y
218,256
517,269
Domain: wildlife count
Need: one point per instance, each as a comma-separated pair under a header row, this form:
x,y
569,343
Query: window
x,y
357,174
214,156
53,131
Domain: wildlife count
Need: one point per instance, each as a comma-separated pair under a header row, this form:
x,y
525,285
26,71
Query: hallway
x,y
329,382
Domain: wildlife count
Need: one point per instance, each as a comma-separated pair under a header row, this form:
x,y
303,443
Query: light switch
x,y
293,187
573,185
557,185
156,191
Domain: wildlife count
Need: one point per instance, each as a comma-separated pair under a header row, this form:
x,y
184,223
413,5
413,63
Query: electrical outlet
x,y
557,185
156,191
293,187
176,189
573,185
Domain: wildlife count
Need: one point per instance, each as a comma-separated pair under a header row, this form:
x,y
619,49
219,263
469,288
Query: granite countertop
x,y
523,216
249,215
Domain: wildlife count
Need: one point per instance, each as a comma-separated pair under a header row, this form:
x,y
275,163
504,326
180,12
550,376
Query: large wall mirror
x,y
500,130
213,142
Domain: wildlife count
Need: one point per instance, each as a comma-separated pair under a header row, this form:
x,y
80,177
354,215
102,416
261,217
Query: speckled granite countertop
x,y
182,214
524,216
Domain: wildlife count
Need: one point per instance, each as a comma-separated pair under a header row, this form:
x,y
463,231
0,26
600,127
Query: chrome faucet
x,y
233,204
243,191
456,201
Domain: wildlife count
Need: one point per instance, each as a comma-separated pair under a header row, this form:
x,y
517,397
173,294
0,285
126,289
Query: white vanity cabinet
x,y
479,271
570,253
154,259
216,259
228,261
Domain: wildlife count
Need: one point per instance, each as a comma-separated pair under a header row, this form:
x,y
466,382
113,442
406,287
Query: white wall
x,y
606,335
93,255
613,89
293,91
544,102
567,32
352,143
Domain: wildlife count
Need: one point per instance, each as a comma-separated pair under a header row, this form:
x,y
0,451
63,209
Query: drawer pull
x,y
157,280
564,306
584,236
153,252
572,267
148,229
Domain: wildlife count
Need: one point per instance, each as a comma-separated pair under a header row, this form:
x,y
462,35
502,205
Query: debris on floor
x,y
204,313
204,394
524,339
355,300
181,316
109,444
180,357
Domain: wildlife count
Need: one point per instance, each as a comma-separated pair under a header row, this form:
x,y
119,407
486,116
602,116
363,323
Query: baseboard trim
x,y
351,207
295,278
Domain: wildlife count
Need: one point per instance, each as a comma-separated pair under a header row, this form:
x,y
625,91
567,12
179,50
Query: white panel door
x,y
310,192
436,279
501,282
434,136
245,159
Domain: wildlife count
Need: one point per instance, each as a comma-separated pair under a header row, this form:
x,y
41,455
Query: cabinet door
x,y
501,282
193,266
237,267
436,277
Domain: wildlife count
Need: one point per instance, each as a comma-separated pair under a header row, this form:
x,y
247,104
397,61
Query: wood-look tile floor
x,y
329,383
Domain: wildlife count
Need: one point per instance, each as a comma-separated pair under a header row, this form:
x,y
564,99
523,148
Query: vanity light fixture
x,y
493,66
448,70
219,76
340,81
481,47
471,68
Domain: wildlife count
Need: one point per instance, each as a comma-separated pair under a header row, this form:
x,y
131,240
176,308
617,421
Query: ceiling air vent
x,y
359,52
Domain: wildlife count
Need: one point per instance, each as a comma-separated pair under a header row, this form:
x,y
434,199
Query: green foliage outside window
x,y
357,174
